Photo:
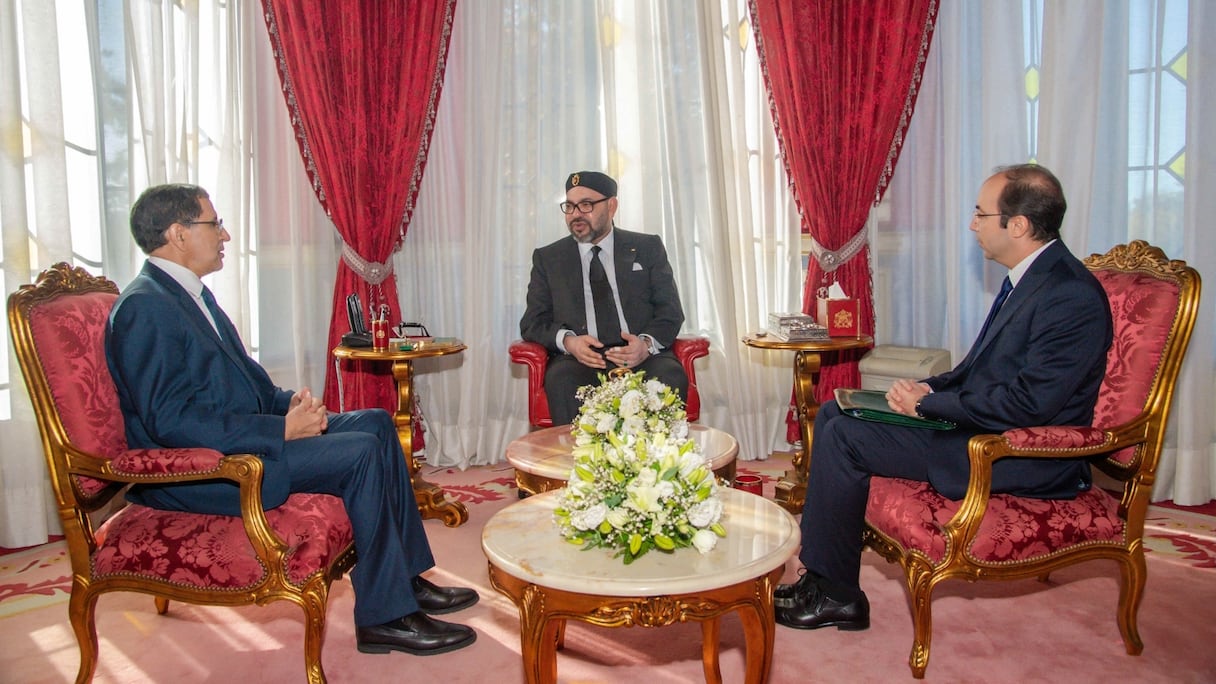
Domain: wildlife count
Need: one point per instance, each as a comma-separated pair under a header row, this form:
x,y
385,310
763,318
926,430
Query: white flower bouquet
x,y
638,481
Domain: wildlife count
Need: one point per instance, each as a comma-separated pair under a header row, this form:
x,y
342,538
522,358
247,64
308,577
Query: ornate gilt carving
x,y
1138,255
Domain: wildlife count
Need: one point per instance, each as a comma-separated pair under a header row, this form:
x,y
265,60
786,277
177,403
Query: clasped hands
x,y
589,351
306,416
904,394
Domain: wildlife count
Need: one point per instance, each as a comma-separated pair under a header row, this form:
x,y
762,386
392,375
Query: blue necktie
x,y
1006,288
217,316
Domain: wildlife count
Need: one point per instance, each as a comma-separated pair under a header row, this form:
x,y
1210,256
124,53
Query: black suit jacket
x,y
648,293
1041,363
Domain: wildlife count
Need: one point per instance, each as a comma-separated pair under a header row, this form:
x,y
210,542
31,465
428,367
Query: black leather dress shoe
x,y
784,594
813,609
437,600
416,633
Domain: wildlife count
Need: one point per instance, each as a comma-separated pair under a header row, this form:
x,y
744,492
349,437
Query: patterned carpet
x,y
983,632
41,576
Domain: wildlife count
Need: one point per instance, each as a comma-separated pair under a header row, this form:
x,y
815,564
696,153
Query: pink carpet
x,y
986,632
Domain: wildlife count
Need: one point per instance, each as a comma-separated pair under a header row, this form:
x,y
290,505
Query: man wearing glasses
x,y
601,298
1039,359
185,380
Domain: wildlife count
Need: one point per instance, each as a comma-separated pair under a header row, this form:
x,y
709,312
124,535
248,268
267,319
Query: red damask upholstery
x,y
686,348
1001,537
292,552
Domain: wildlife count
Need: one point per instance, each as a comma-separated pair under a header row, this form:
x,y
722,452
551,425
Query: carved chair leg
x,y
82,608
921,597
162,605
315,598
1132,573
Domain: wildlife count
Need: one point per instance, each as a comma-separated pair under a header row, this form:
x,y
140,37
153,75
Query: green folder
x,y
872,405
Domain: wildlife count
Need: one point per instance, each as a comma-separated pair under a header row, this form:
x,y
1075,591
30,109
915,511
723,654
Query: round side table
x,y
791,488
431,502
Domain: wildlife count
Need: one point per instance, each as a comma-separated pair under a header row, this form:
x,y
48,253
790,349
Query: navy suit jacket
x,y
647,290
1041,363
181,385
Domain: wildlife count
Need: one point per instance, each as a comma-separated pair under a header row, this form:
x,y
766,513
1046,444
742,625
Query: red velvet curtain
x,y
842,78
362,80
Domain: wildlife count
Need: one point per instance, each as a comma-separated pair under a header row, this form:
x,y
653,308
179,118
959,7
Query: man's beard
x,y
593,232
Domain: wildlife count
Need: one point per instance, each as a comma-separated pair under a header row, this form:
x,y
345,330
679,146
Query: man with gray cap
x,y
601,298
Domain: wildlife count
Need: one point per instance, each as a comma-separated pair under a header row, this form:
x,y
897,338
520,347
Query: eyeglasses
x,y
976,215
585,206
217,224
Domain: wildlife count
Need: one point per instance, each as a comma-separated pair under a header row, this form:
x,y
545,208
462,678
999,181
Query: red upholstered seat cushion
x,y
212,551
1014,528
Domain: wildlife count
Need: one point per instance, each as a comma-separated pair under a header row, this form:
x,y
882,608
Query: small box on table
x,y
795,327
842,317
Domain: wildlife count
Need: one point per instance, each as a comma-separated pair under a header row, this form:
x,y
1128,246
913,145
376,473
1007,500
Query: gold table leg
x,y
790,490
430,496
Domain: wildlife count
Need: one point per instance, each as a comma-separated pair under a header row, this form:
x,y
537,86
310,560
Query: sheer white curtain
x,y
78,73
1098,93
101,100
108,97
655,94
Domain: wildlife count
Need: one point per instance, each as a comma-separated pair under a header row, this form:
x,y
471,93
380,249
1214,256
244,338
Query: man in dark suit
x,y
599,298
185,380
1038,361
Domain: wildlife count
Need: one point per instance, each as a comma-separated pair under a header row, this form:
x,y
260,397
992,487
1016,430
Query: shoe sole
x,y
451,609
387,648
842,626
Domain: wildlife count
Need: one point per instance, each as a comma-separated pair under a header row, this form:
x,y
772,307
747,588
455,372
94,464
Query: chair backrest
x,y
58,327
1153,302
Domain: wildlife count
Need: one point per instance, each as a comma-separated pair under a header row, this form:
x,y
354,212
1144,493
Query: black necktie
x,y
1006,287
217,316
607,324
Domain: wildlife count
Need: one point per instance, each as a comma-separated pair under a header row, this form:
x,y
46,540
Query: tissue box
x,y
842,317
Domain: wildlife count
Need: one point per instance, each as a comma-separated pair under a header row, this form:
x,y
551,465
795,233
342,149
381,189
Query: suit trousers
x,y
565,374
360,460
845,452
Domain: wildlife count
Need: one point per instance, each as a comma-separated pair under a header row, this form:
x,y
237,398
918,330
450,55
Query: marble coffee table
x,y
542,458
551,581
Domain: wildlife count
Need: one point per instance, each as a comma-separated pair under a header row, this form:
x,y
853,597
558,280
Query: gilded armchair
x,y
291,553
1002,537
686,348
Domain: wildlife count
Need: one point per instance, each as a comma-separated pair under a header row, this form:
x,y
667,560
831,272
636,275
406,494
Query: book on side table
x,y
872,405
